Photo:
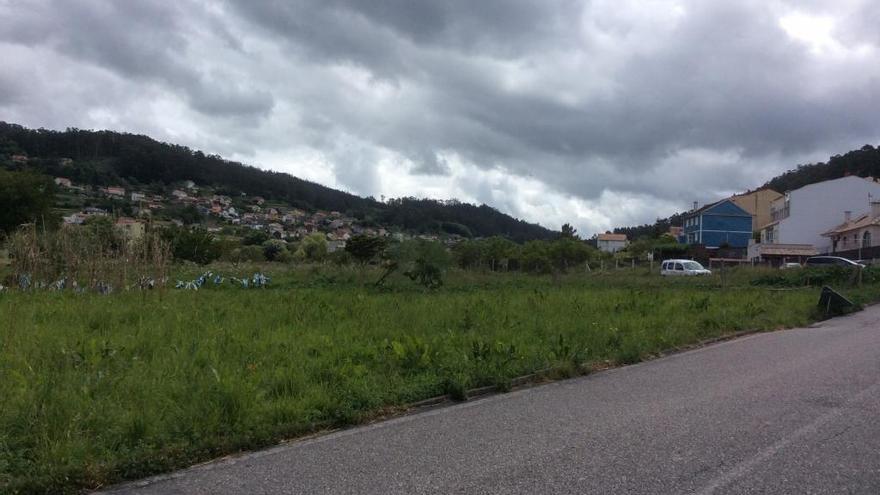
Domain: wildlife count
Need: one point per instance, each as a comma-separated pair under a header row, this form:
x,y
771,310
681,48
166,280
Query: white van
x,y
682,267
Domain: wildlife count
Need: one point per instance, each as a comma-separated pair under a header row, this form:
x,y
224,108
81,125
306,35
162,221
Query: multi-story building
x,y
801,216
721,224
757,203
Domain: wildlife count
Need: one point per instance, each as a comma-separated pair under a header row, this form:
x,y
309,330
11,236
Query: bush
x,y
312,248
25,197
249,253
424,261
341,258
275,249
196,245
255,238
365,248
814,277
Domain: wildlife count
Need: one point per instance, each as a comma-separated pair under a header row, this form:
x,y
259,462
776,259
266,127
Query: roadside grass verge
x,y
100,389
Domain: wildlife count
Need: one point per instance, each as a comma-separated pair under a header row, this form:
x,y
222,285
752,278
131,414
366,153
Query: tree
x,y
275,250
568,231
195,245
425,261
26,197
255,238
468,253
365,248
313,247
567,252
496,250
534,257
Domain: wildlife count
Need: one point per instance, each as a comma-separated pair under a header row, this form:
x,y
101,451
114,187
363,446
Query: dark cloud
x,y
596,112
429,163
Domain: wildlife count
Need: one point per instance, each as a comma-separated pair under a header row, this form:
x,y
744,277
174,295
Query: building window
x,y
866,240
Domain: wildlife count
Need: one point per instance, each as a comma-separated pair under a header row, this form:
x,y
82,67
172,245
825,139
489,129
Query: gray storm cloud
x,y
597,113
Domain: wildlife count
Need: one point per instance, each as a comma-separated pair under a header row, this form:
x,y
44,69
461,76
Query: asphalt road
x,y
795,412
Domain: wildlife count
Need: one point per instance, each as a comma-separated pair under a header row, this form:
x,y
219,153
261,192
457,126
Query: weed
x,y
97,389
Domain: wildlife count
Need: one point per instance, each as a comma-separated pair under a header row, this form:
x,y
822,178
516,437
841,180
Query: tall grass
x,y
87,258
100,389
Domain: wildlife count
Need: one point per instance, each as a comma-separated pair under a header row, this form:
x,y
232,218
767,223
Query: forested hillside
x,y
102,158
864,162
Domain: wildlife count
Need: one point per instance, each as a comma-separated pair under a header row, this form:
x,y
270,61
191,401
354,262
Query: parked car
x,y
682,267
821,261
786,266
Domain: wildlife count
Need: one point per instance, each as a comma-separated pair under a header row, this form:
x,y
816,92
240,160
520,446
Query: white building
x,y
803,215
611,243
857,233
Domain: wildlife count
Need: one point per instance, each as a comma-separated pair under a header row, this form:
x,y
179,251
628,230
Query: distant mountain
x,y
864,162
103,158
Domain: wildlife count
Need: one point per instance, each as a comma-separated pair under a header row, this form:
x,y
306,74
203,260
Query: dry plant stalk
x,y
93,258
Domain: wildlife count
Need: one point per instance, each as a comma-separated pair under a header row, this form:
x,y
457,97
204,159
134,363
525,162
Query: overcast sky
x,y
599,113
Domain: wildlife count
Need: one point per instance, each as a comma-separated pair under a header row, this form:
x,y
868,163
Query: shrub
x,y
196,245
274,249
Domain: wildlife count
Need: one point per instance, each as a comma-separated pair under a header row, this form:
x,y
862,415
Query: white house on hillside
x,y
803,215
611,243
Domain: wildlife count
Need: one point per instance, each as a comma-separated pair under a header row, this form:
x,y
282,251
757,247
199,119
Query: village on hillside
x,y
839,216
188,204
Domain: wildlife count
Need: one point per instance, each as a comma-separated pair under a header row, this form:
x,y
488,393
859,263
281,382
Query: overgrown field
x,y
96,389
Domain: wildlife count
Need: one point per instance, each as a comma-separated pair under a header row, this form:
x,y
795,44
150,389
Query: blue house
x,y
718,224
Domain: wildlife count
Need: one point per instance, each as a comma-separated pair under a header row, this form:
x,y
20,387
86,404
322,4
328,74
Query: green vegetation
x,y
97,389
106,158
25,197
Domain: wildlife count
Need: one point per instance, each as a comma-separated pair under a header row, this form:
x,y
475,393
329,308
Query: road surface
x,y
795,412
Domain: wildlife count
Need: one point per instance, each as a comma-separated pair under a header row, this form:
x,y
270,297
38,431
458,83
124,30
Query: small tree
x,y
25,197
568,231
567,252
313,247
425,261
497,249
255,238
535,257
467,253
365,248
275,250
196,245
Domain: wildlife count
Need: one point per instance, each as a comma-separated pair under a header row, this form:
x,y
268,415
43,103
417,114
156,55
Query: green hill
x,y
102,158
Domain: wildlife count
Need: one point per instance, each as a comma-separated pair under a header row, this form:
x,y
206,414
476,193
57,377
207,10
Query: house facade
x,y
857,234
757,203
802,216
611,243
115,191
718,225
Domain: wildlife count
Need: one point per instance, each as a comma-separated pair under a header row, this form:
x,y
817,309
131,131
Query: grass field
x,y
97,389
